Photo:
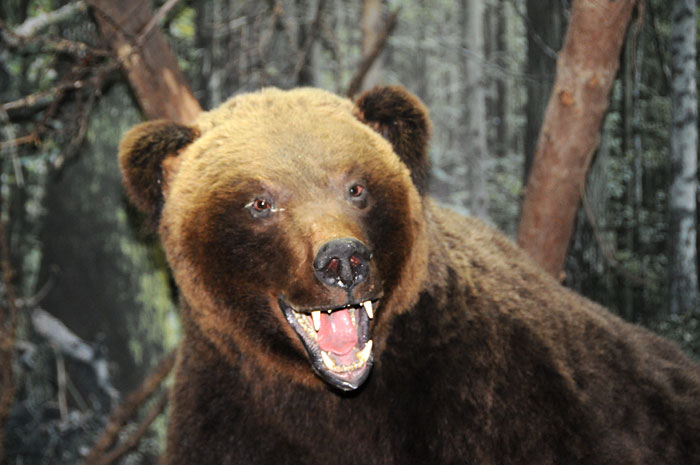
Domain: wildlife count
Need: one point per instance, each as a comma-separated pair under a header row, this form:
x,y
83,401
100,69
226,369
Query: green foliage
x,y
182,27
181,37
684,329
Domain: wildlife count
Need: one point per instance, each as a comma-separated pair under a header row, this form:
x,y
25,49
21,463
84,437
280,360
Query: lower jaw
x,y
346,376
345,381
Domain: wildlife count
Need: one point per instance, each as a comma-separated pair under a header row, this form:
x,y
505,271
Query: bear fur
x,y
477,355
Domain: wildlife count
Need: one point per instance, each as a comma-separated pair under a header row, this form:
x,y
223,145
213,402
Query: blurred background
x,y
93,306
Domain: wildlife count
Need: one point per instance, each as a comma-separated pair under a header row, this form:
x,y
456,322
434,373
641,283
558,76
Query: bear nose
x,y
342,263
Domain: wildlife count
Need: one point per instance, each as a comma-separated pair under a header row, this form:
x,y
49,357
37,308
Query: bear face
x,y
291,236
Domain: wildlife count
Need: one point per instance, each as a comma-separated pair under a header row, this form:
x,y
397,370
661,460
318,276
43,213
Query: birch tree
x,y
474,105
682,204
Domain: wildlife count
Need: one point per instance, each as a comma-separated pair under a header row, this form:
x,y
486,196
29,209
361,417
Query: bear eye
x,y
357,194
260,208
356,191
261,205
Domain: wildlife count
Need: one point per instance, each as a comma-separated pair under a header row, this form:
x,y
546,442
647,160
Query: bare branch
x,y
608,249
25,34
45,97
330,41
62,339
366,64
80,133
52,98
65,342
548,51
50,45
129,407
10,134
32,138
267,34
135,438
99,9
34,300
41,98
659,47
311,36
61,381
155,19
8,328
36,23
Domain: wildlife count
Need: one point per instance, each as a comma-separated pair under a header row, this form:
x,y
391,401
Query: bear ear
x,y
148,159
403,120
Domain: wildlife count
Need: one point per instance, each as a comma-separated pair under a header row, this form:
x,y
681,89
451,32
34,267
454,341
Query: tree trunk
x,y
502,133
373,54
218,59
150,65
631,293
420,68
474,106
107,283
545,30
309,25
570,132
682,272
372,27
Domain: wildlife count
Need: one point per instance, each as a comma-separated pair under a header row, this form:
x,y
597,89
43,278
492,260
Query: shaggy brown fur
x,y
144,153
479,357
403,120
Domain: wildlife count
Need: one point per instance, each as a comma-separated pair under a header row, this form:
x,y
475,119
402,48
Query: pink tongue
x,y
337,333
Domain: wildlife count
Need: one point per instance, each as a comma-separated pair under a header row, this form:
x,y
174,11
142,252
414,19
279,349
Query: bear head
x,y
292,222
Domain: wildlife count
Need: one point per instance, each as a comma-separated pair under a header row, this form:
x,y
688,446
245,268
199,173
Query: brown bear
x,y
334,313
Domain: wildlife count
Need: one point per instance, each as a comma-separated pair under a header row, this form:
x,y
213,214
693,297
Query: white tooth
x,y
327,360
317,319
368,308
363,355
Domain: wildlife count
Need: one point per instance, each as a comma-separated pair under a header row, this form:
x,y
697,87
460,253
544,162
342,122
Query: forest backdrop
x,y
88,307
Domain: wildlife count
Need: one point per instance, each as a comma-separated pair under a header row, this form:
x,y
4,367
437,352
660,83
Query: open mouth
x,y
337,340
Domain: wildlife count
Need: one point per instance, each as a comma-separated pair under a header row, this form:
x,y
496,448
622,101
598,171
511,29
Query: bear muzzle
x,y
331,317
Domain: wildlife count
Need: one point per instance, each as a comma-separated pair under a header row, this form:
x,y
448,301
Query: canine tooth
x,y
317,319
327,360
363,355
368,308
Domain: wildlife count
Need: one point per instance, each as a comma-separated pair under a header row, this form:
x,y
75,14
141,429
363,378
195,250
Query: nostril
x,y
355,262
332,265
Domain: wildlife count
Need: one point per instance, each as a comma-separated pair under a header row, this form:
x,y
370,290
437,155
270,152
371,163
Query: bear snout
x,y
343,263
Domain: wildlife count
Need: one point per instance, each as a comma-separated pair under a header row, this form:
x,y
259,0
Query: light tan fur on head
x,y
263,140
